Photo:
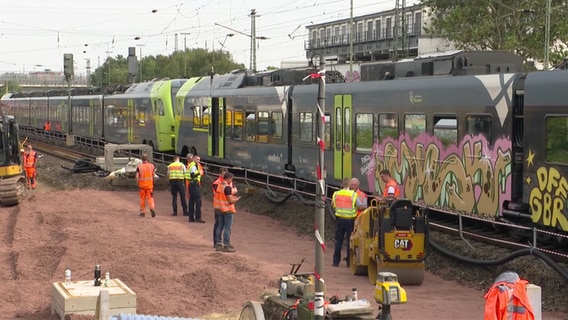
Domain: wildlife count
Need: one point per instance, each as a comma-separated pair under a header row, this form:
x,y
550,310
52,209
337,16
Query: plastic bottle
x,y
67,276
354,294
283,290
107,279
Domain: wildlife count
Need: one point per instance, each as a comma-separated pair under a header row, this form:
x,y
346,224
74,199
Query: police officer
x,y
176,175
194,177
345,202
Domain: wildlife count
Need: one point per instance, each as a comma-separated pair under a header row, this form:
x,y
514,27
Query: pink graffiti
x,y
469,176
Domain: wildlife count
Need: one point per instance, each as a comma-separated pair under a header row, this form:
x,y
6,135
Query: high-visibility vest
x,y
29,159
508,300
175,170
224,201
363,198
47,126
393,184
217,193
188,174
344,201
146,175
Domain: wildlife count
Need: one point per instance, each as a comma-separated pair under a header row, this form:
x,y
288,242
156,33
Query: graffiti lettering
x,y
468,177
548,198
367,165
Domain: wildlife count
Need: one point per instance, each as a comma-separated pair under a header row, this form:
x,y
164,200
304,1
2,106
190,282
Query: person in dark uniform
x,y
176,175
194,175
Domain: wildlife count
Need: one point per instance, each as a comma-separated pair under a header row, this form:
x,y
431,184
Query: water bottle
x,y
354,294
107,279
67,276
283,290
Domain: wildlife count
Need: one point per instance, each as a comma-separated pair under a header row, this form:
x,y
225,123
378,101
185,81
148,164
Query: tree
x,y
180,64
512,25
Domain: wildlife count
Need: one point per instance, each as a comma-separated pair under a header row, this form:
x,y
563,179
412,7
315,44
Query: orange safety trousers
x,y
149,195
30,177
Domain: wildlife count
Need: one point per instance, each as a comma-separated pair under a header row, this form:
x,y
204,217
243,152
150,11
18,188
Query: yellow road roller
x,y
390,236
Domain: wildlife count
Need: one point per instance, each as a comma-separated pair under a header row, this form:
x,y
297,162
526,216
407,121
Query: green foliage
x,y
12,86
512,25
180,64
556,141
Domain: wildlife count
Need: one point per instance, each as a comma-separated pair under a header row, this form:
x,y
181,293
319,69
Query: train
x,y
490,141
142,113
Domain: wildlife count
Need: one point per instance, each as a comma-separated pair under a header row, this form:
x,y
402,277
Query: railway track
x,y
280,188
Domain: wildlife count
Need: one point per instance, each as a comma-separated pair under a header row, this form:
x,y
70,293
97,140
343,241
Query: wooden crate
x,y
81,297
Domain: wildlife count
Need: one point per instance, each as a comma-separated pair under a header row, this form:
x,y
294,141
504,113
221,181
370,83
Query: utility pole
x,y
547,37
400,33
351,43
88,73
253,39
319,294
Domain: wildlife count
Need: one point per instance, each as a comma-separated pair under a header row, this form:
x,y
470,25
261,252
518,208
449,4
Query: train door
x,y
216,135
91,117
130,114
342,138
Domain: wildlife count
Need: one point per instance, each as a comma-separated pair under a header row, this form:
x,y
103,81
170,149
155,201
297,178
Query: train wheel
x,y
252,310
355,262
372,271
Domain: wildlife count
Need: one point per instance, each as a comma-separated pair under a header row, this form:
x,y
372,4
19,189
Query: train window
x,y
556,139
200,116
388,126
306,126
446,129
327,131
277,122
478,124
263,126
161,109
347,126
238,125
229,124
364,132
250,129
338,125
414,124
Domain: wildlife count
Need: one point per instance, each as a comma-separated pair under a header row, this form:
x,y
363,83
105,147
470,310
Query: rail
x,y
280,188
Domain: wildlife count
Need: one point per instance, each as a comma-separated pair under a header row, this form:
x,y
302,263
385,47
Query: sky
x,y
35,34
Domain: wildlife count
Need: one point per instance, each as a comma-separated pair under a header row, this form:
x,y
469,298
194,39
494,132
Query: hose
x,y
490,263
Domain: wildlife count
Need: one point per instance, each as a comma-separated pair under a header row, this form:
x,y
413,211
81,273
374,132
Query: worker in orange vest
x,y
30,161
217,202
345,203
354,185
47,126
145,177
227,203
391,187
507,299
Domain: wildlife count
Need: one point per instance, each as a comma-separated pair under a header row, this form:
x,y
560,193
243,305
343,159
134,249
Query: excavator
x,y
390,236
12,178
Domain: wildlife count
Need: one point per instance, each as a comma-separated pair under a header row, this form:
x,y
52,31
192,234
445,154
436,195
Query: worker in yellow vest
x,y
345,203
193,174
176,175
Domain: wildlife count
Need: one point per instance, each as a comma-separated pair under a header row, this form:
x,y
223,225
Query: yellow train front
x,y
390,236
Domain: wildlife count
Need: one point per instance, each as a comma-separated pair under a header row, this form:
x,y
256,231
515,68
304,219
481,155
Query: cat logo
x,y
404,244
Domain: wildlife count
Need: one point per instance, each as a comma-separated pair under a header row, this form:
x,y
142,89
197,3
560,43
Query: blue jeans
x,y
225,225
218,217
344,230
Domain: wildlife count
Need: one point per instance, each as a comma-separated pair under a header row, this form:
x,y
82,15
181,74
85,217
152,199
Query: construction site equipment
x,y
299,302
112,161
388,292
12,178
390,236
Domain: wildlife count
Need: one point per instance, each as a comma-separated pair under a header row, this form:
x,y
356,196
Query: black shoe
x,y
335,265
200,221
174,214
191,220
153,213
142,214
